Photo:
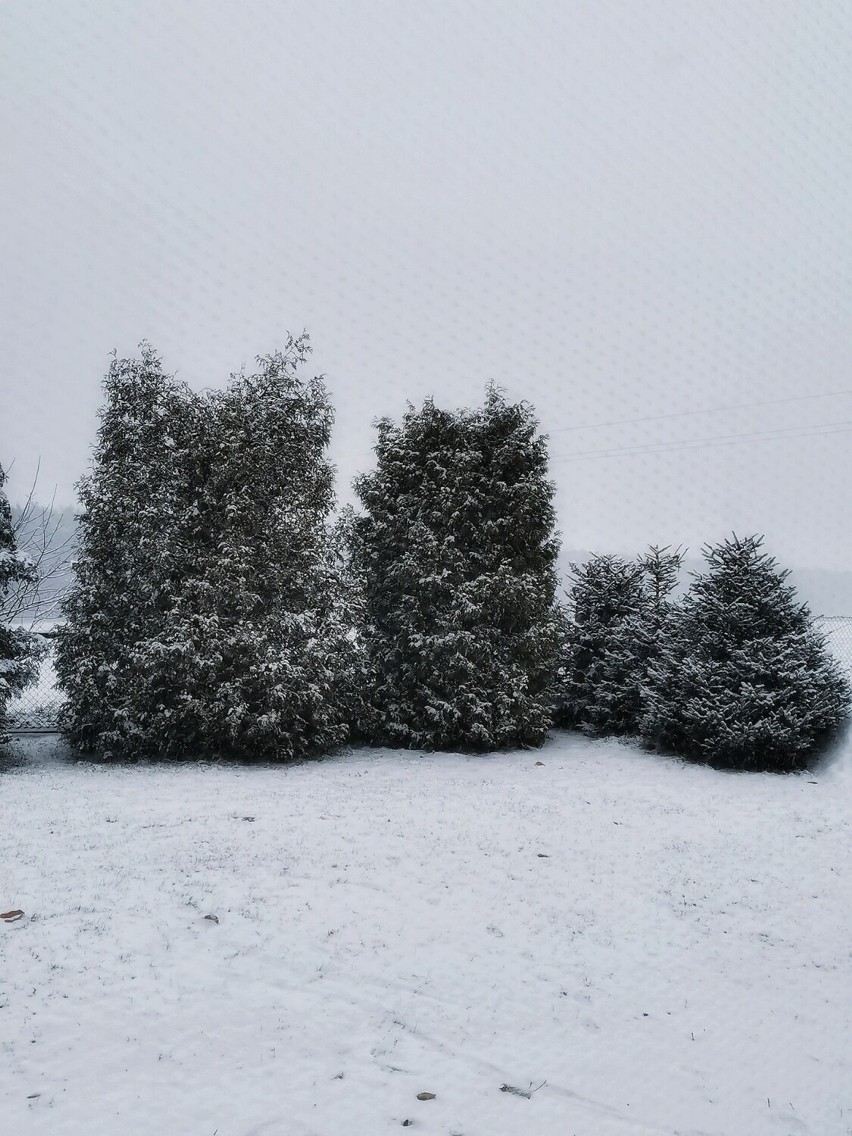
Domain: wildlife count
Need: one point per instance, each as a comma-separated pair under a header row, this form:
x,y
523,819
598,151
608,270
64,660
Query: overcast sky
x,y
617,210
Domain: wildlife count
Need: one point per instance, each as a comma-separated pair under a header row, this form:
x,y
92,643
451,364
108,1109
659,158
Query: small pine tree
x,y
456,553
20,651
600,671
742,679
661,571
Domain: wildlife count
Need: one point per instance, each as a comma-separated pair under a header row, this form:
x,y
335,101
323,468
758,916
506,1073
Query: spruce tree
x,y
456,551
742,679
20,650
661,571
601,663
616,612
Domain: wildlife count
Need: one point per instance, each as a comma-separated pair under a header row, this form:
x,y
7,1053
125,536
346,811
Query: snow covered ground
x,y
662,948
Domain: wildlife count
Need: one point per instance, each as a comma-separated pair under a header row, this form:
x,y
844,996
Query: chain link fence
x,y
36,710
837,632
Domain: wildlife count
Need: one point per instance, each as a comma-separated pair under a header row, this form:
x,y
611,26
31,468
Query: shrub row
x,y
220,611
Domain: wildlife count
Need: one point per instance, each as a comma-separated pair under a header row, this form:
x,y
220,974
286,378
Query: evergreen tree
x,y
456,552
617,610
661,570
660,575
131,502
357,678
742,679
207,617
255,641
601,664
20,651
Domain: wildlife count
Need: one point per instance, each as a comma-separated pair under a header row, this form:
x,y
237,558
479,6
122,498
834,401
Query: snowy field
x,y
661,948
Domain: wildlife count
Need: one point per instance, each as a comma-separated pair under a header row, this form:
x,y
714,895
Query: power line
x,y
816,430
706,410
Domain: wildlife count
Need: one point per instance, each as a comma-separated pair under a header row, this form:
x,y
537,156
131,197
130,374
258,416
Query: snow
x,y
663,948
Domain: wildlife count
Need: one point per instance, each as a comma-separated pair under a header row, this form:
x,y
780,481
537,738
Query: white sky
x,y
614,209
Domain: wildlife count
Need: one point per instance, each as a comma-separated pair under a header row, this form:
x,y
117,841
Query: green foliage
x,y
600,671
206,618
455,551
20,650
616,611
742,679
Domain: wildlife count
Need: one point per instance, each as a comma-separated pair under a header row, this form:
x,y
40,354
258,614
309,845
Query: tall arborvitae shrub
x,y
456,551
255,644
225,638
20,650
743,679
356,675
132,501
601,666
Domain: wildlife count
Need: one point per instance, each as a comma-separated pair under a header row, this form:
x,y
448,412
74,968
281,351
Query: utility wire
x,y
690,413
816,430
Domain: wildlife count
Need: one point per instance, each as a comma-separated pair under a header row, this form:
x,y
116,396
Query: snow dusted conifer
x,y
206,620
456,551
20,650
661,571
617,611
356,675
601,667
131,500
252,660
743,679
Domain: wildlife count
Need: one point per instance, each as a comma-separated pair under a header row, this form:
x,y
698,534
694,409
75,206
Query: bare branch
x,y
46,546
